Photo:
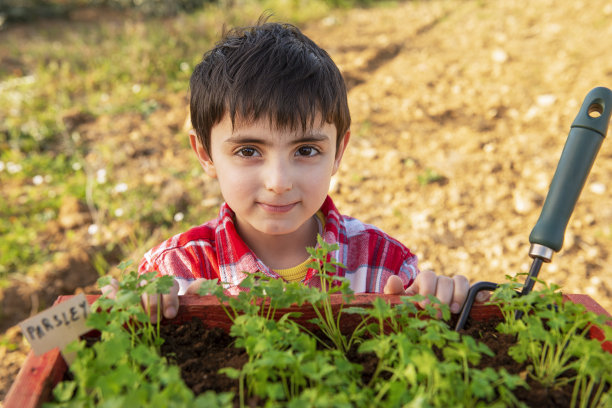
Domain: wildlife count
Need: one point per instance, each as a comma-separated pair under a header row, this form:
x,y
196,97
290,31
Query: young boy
x,y
271,123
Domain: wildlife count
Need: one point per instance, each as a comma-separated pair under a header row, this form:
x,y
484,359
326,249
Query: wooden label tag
x,y
57,326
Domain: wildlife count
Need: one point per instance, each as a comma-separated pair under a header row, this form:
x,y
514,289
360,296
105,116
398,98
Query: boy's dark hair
x,y
269,70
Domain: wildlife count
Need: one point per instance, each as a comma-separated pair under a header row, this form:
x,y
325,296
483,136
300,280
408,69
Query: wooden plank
x,y
591,305
38,375
36,380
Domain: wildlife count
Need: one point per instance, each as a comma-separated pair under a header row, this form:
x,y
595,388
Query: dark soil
x,y
201,351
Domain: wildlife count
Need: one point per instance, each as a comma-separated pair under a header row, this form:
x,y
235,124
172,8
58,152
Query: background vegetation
x,y
106,64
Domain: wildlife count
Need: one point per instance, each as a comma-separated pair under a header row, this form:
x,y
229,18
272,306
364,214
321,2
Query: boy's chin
x,y
276,232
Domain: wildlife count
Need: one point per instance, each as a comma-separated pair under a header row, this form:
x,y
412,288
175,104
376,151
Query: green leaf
x,y
210,399
230,372
144,355
64,391
98,320
124,265
114,348
160,285
103,281
275,391
125,298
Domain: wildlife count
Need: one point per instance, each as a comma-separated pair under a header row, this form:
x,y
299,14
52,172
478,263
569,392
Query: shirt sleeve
x,y
176,270
409,270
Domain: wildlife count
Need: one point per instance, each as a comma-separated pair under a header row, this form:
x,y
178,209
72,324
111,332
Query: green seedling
x,y
326,267
421,361
553,338
124,368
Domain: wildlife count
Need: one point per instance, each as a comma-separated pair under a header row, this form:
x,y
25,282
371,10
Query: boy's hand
x,y
169,302
193,287
450,291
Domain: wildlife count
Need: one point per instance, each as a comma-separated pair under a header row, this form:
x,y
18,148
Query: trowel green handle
x,y
583,142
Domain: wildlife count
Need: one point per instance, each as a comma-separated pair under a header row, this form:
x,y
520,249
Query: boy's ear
x,y
341,149
203,156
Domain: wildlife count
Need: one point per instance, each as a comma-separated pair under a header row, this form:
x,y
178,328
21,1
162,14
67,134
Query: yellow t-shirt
x,y
297,273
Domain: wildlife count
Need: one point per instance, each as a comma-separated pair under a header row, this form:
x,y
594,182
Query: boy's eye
x,y
247,152
306,151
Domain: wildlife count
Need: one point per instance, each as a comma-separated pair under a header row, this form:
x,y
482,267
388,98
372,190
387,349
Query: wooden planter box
x,y
39,374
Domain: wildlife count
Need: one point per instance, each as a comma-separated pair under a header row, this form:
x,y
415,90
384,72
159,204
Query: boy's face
x,y
274,180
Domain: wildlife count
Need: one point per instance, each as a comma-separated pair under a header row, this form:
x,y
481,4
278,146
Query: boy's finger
x,y
394,286
424,284
170,302
445,289
483,296
462,286
110,290
150,303
194,286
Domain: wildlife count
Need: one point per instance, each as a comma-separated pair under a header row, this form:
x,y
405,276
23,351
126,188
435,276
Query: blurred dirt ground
x,y
460,112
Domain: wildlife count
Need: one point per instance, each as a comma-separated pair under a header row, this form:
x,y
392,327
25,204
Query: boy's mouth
x,y
277,208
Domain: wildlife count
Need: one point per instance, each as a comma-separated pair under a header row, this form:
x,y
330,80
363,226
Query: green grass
x,y
27,207
106,67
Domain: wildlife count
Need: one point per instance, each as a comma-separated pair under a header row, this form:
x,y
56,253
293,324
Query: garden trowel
x,y
583,142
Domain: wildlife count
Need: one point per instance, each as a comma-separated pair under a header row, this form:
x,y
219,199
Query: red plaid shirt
x,y
215,250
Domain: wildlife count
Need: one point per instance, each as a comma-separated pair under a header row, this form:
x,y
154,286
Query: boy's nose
x,y
278,178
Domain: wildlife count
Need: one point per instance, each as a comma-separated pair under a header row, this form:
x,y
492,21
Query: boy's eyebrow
x,y
311,137
308,137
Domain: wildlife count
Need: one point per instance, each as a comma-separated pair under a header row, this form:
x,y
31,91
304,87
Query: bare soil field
x,y
460,112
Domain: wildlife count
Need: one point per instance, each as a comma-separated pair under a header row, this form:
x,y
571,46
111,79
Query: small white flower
x,y
184,66
76,166
119,212
13,168
92,229
101,176
121,188
48,178
1,166
178,217
136,88
329,21
37,180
